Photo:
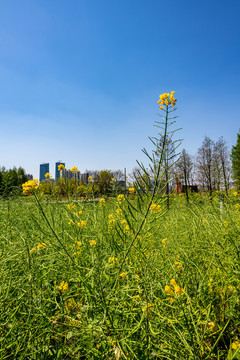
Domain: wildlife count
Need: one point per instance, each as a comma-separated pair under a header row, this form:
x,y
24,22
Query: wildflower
x,y
167,99
62,287
119,211
90,178
173,282
48,176
122,275
120,199
131,190
71,207
178,265
29,186
82,224
225,223
164,241
92,242
70,222
169,290
102,202
235,345
41,245
177,289
61,167
112,260
147,307
74,170
155,208
78,244
70,304
235,193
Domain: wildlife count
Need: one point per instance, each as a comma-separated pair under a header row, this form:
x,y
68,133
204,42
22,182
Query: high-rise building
x,y
44,168
57,172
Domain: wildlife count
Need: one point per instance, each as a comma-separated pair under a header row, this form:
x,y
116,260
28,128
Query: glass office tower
x,y
44,168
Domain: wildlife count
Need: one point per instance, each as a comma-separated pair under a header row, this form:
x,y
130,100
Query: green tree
x,y
235,157
104,181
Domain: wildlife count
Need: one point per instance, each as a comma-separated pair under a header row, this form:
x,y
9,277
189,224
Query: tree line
x,y
212,168
11,181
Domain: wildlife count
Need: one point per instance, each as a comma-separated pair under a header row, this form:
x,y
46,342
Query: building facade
x,y
44,168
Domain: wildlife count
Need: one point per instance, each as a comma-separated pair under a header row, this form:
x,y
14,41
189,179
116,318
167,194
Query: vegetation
x,y
148,275
72,289
235,157
11,181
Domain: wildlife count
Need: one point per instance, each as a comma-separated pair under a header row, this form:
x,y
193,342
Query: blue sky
x,y
80,80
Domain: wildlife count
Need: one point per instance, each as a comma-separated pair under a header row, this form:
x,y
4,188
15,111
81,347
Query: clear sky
x,y
80,80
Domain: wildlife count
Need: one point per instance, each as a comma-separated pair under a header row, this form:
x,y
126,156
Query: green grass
x,y
114,304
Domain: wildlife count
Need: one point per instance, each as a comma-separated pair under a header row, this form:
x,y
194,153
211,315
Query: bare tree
x,y
184,167
222,153
205,160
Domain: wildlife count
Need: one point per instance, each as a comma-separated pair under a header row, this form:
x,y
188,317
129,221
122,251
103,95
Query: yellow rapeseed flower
x,y
61,167
120,199
169,290
29,186
155,208
74,169
62,287
122,275
119,211
92,242
164,241
167,99
235,345
82,224
131,190
71,206
102,202
48,176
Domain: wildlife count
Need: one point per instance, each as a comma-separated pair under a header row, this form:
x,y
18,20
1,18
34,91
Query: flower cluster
x,y
38,248
61,167
74,170
155,208
173,292
102,202
131,190
48,176
29,186
63,286
92,242
167,99
71,207
120,199
82,224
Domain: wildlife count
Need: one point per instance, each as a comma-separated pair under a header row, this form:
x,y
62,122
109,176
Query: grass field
x,y
99,280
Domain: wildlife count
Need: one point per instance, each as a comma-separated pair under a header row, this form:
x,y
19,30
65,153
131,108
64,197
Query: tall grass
x,y
92,315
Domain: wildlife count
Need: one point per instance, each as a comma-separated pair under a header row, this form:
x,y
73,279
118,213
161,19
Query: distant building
x,y
57,172
29,176
44,168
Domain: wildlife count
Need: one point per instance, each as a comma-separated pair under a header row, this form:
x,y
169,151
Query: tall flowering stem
x,y
152,177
